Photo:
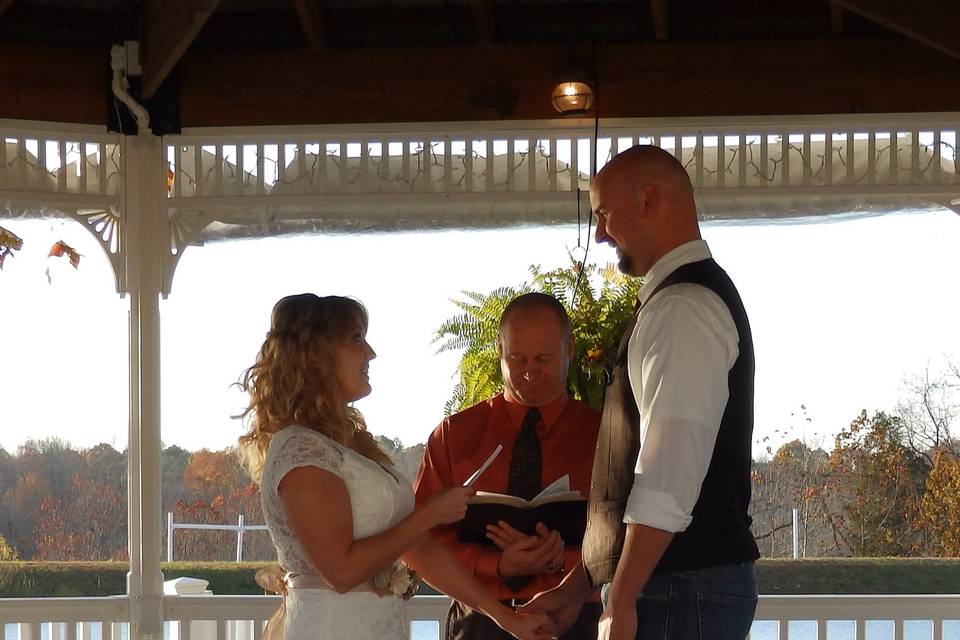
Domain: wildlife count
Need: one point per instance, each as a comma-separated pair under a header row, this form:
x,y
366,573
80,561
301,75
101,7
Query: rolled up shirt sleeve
x,y
679,359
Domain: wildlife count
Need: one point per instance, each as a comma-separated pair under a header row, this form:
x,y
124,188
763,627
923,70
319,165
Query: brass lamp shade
x,y
570,98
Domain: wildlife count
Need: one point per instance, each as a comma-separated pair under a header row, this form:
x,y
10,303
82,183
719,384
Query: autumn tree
x,y
877,484
941,503
792,479
22,504
930,410
212,473
7,552
88,522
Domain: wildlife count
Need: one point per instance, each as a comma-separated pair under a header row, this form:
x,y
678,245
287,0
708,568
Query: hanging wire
x,y
593,173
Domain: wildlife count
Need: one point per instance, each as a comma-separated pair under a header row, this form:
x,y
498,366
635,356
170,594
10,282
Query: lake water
x,y
762,630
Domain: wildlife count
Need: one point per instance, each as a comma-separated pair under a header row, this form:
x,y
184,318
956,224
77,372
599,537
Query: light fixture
x,y
572,97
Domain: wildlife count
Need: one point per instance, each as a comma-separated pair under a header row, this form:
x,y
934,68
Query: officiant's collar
x,y
693,251
551,411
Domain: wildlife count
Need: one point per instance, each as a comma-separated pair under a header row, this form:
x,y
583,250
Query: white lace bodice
x,y
379,498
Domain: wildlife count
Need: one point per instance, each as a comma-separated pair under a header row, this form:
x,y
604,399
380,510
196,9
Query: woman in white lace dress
x,y
340,515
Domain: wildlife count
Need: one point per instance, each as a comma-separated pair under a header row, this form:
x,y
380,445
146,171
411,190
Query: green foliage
x,y
599,312
87,579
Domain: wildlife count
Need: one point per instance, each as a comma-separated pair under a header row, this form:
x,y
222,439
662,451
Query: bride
x,y
340,515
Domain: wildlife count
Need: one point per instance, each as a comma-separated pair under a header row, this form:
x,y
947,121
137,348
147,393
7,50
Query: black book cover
x,y
564,514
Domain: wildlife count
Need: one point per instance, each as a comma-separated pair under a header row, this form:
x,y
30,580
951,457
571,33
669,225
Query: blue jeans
x,y
707,604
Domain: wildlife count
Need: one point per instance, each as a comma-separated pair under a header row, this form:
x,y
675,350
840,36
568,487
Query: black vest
x,y
720,530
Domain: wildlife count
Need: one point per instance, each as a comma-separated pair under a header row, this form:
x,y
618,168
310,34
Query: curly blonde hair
x,y
294,378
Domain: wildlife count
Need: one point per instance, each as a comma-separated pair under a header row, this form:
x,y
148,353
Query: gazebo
x,y
161,125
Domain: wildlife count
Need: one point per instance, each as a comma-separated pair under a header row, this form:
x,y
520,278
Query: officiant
x,y
545,435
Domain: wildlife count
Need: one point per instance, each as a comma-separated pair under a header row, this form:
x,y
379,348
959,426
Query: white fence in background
x,y
240,528
829,617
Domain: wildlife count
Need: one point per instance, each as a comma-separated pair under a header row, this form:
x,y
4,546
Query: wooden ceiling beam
x,y
171,25
659,15
842,75
929,22
836,19
4,5
223,88
485,20
311,22
54,84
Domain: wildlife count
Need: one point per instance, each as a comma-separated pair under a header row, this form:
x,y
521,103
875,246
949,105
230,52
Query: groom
x,y
668,535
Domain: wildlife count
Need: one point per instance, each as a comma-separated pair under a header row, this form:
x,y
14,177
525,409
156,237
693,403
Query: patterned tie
x,y
527,461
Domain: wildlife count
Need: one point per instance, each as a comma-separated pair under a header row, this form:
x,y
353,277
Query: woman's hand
x,y
447,506
527,626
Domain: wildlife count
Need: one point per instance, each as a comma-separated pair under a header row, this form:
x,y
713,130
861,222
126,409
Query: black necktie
x,y
525,470
527,461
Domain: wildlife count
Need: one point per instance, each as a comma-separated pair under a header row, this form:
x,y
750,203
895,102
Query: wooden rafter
x,y
841,75
171,25
484,19
658,13
311,22
836,19
270,87
930,22
4,5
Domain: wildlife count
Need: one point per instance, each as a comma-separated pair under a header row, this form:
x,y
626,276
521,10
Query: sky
x,y
843,310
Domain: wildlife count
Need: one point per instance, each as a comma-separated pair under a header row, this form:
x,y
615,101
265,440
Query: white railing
x,y
244,182
65,169
71,166
837,617
65,618
226,169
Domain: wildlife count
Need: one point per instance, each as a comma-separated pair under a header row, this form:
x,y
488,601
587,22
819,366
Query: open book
x,y
557,507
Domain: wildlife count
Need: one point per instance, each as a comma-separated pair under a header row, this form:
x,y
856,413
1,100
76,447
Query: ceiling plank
x,y
501,82
659,15
4,5
836,19
171,25
929,22
53,84
311,22
484,20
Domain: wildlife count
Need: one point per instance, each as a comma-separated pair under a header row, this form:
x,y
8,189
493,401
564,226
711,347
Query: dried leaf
x,y
60,248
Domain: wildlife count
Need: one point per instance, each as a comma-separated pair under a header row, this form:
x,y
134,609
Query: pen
x,y
476,474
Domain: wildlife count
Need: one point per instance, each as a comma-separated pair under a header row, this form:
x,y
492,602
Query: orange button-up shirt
x,y
568,438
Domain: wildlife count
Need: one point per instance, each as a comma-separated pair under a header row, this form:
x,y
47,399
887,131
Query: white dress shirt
x,y
679,357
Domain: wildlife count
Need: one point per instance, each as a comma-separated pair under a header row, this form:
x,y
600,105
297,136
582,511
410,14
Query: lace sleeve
x,y
300,447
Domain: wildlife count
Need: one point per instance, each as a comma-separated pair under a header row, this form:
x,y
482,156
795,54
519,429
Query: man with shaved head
x,y
668,536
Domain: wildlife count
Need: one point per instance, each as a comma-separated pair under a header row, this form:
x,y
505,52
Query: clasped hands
x,y
525,555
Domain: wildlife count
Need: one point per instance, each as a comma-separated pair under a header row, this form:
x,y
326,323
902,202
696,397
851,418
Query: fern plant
x,y
599,312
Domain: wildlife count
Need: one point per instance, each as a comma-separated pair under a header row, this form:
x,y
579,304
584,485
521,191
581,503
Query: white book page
x,y
560,485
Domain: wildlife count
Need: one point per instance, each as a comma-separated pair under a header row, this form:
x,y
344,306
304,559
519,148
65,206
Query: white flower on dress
x,y
399,580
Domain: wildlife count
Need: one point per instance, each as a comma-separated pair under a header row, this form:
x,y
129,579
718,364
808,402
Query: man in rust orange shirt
x,y
545,435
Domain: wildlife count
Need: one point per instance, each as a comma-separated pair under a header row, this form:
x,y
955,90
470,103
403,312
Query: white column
x,y
146,230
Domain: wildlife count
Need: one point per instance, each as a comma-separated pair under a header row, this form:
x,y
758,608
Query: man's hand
x,y
526,555
560,606
618,623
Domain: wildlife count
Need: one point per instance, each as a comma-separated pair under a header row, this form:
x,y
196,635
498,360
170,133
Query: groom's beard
x,y
625,263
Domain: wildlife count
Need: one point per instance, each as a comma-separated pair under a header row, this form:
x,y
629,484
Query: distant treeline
x,y
888,487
